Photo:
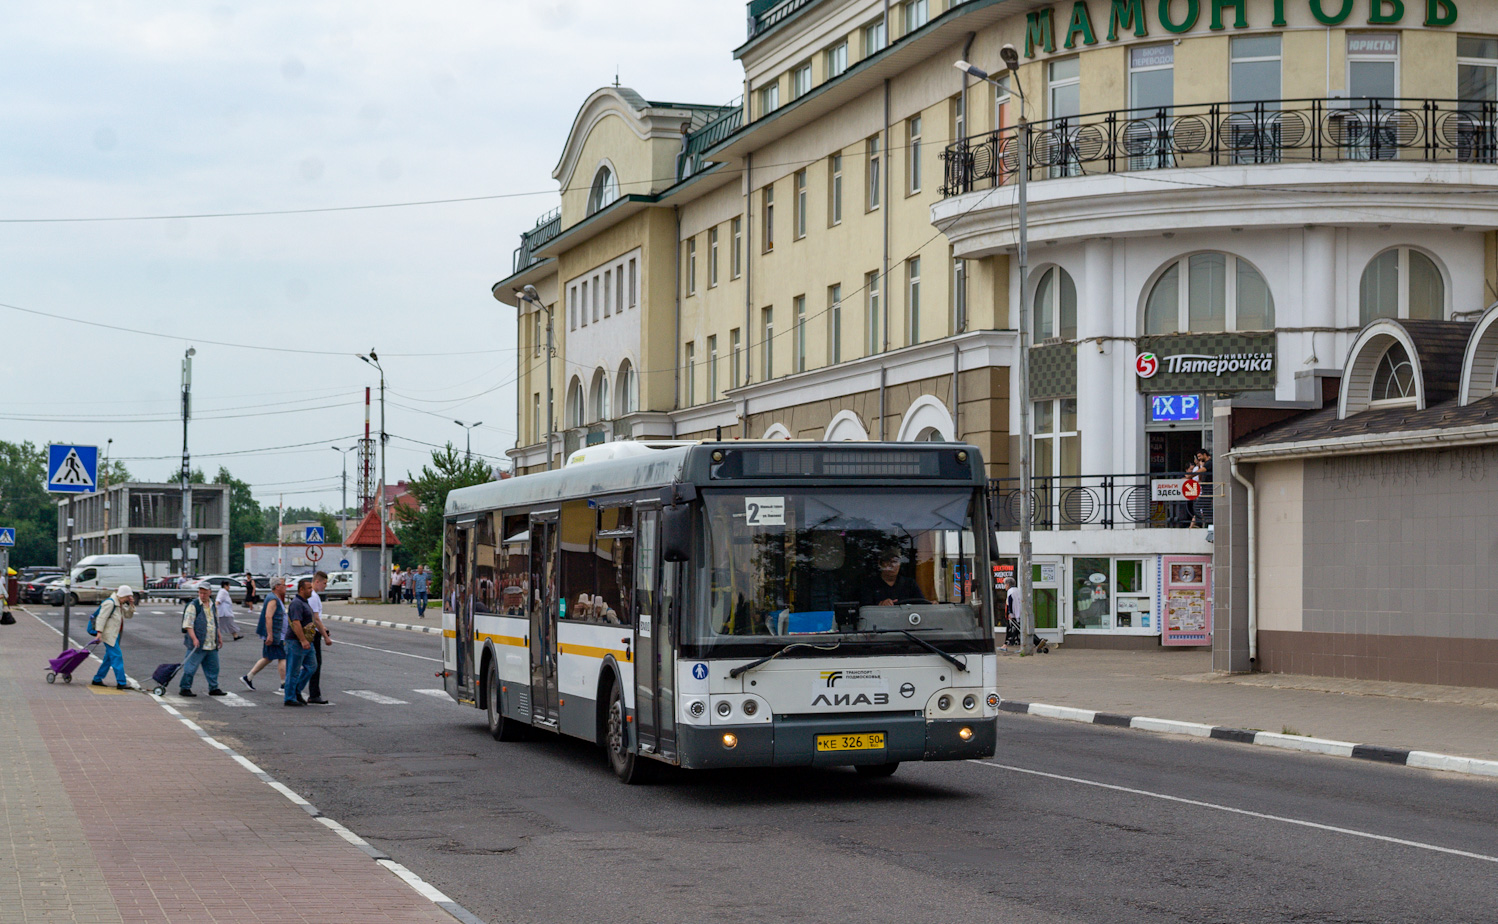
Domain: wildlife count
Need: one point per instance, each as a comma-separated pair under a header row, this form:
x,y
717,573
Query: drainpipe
x,y
881,403
956,391
676,378
1253,570
888,162
748,262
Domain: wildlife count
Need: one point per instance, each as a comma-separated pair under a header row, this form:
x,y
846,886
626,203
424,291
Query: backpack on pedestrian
x,y
93,619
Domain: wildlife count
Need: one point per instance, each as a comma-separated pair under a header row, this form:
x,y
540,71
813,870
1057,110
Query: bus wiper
x,y
746,668
957,663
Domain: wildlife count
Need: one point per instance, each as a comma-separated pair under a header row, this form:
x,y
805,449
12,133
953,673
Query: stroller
x,y
162,676
67,662
1012,636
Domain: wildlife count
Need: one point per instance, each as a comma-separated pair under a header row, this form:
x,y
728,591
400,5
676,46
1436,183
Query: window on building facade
x,y
536,331
619,289
913,145
799,303
1476,69
1055,306
1208,292
736,265
1057,444
582,305
769,99
576,403
605,190
735,359
536,417
872,195
634,291
1254,134
608,291
712,368
834,324
837,59
1065,95
597,298
917,13
599,407
957,108
913,300
767,340
1394,379
1369,130
801,80
874,340
691,372
712,257
1151,93
767,211
800,215
572,308
627,390
1402,283
835,190
959,295
875,37
691,266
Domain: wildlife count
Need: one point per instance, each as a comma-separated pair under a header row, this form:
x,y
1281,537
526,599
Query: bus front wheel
x,y
625,763
500,727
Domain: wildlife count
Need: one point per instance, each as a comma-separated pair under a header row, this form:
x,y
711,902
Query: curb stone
x,y
383,623
1424,760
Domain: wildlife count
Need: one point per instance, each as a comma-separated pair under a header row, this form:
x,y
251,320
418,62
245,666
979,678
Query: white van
x,y
98,576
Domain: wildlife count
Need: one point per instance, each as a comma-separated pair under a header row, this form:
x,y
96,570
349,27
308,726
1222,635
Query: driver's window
x,y
88,574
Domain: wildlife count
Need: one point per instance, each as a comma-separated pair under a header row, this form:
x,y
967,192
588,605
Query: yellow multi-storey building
x,y
1224,191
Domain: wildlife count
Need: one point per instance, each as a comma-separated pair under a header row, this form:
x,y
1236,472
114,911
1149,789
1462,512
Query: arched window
x,y
605,189
1055,305
575,406
1394,379
626,394
1208,292
599,407
1402,283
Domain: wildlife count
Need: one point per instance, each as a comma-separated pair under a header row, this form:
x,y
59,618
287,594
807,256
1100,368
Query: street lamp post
x,y
186,468
374,360
1010,58
343,508
529,294
468,435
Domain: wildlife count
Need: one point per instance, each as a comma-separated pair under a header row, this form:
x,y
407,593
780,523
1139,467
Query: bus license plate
x,y
866,741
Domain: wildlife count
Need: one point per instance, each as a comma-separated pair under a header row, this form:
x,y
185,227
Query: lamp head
x,y
531,295
373,355
1010,57
191,352
969,69
460,423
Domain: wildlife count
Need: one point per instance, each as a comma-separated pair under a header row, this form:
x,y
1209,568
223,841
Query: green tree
x,y
420,530
25,504
245,518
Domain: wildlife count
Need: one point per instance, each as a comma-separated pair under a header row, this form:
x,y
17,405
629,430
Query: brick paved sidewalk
x,y
111,810
1180,685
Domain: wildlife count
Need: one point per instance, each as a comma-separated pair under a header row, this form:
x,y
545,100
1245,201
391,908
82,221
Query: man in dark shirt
x,y
889,586
301,659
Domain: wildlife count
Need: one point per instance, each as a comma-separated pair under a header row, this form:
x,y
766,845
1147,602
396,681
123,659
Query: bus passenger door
x,y
655,658
463,617
543,614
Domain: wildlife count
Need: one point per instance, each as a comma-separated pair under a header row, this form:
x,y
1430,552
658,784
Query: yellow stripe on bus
x,y
588,651
515,640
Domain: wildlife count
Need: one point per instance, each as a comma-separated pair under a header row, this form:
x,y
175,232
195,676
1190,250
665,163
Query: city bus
x,y
731,604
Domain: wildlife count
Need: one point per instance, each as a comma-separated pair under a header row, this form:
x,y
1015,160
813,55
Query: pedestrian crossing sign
x,y
314,536
7,537
72,469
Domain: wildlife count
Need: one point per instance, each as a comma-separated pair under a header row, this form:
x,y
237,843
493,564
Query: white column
x,y
1318,308
1095,390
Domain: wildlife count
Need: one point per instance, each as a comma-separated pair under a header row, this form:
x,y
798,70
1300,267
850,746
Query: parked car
x,y
52,593
32,590
97,576
236,585
340,586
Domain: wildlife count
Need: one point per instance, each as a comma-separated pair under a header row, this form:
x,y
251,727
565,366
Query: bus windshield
x,y
826,566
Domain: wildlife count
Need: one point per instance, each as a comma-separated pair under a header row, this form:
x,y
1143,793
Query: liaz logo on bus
x,y
851,699
1147,365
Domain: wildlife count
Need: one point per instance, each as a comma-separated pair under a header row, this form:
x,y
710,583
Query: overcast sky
x,y
173,108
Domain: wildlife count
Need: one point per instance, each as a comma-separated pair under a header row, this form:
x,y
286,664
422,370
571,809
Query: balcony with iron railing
x,y
730,120
1228,134
547,227
1100,502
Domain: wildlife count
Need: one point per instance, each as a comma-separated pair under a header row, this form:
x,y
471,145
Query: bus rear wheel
x,y
877,770
500,727
625,763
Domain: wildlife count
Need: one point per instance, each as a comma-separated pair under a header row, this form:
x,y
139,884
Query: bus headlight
x,y
696,708
944,702
750,707
965,733
731,741
970,702
724,708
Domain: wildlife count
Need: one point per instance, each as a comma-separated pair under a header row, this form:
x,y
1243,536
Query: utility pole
x,y
343,511
468,433
104,471
186,467
374,360
67,567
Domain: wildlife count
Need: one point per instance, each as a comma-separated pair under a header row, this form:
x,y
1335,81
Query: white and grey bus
x,y
731,604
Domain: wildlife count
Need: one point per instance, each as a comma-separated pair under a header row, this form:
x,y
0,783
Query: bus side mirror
x,y
676,533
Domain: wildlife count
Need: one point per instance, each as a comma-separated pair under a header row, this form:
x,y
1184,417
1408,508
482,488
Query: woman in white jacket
x,y
116,608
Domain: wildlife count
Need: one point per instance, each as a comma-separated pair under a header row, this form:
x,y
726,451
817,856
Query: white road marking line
x,y
440,694
388,651
232,699
380,698
1245,812
427,891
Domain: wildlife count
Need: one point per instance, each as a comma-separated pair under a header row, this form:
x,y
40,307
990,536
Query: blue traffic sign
x,y
72,469
314,536
7,536
343,564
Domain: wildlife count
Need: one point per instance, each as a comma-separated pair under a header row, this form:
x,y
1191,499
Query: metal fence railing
x,y
1099,501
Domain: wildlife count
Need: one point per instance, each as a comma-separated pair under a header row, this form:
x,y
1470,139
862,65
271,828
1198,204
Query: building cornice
x,y
1428,438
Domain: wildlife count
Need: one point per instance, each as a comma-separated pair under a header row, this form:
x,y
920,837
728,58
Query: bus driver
x,y
890,586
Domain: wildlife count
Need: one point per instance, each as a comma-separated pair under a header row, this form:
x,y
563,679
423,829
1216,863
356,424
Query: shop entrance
x,y
1172,451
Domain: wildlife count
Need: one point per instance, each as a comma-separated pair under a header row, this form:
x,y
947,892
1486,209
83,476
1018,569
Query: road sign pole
x,y
67,586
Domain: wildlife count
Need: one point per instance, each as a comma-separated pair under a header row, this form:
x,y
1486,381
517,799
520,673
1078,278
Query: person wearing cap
x,y
201,629
116,608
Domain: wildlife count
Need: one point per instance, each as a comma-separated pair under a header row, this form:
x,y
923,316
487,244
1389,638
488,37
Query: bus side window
x,y
614,547
645,559
514,563
577,561
450,583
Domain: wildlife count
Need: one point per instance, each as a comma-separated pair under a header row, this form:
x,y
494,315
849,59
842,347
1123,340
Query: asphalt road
x,y
1067,823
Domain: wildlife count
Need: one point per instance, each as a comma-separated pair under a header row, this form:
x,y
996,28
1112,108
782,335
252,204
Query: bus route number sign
x,y
764,511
